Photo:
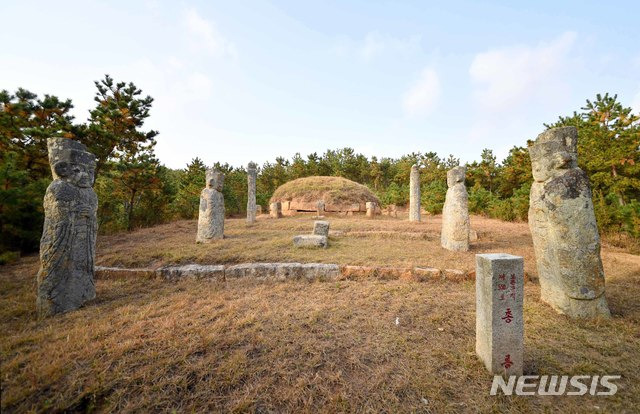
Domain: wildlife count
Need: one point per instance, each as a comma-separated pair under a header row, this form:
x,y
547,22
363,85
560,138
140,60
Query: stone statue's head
x,y
251,166
215,179
553,152
415,168
456,175
70,161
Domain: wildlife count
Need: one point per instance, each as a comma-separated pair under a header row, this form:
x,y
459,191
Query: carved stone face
x,y
77,174
456,175
553,152
215,180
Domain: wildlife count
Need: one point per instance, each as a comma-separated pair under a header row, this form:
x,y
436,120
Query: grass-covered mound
x,y
338,193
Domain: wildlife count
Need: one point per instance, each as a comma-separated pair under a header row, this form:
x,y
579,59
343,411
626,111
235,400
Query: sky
x,y
240,81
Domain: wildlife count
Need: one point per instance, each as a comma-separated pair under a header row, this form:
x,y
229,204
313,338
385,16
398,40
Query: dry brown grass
x,y
383,241
197,346
333,190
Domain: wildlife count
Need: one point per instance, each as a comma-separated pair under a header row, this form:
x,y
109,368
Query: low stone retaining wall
x,y
287,271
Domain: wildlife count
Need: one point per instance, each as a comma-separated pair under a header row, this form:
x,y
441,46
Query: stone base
x,y
310,240
577,308
209,240
455,245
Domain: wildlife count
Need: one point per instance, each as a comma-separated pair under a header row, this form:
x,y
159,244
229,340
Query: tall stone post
x,y
414,194
499,322
251,193
211,218
320,208
371,208
455,213
563,226
275,209
67,247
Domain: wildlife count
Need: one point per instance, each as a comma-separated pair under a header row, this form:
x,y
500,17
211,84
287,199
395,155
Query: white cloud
x,y
204,36
509,76
422,96
376,44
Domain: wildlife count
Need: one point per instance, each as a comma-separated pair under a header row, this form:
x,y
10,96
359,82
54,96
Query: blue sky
x,y
235,81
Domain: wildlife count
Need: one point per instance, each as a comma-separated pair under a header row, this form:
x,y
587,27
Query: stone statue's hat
x,y
216,176
68,150
456,175
555,140
251,165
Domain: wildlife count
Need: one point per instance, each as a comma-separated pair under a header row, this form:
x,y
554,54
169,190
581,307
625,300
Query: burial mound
x,y
338,194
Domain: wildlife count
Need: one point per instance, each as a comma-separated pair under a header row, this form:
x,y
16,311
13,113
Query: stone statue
x,y
67,248
371,208
251,193
211,218
275,209
455,213
563,227
414,193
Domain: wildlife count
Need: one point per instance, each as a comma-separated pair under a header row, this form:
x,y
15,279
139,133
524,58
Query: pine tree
x,y
115,123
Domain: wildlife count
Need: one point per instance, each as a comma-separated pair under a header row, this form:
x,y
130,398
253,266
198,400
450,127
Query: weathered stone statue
x,y
455,213
251,193
211,218
67,247
414,194
563,227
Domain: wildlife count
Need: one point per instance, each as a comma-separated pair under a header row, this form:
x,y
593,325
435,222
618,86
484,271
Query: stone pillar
x,y
414,194
67,247
371,208
563,227
211,218
455,213
275,209
499,322
320,208
251,193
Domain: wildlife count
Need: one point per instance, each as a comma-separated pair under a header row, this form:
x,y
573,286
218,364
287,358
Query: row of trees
x,y
135,190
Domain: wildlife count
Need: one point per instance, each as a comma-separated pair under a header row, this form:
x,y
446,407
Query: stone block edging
x,y
287,271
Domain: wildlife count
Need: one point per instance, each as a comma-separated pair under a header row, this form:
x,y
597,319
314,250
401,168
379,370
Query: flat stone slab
x,y
104,272
195,271
454,275
321,271
311,240
253,270
287,271
427,274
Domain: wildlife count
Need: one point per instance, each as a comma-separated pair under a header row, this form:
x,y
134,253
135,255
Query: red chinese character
x,y
502,276
508,317
507,362
502,286
502,296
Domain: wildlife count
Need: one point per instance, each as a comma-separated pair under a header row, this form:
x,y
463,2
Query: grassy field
x,y
240,346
